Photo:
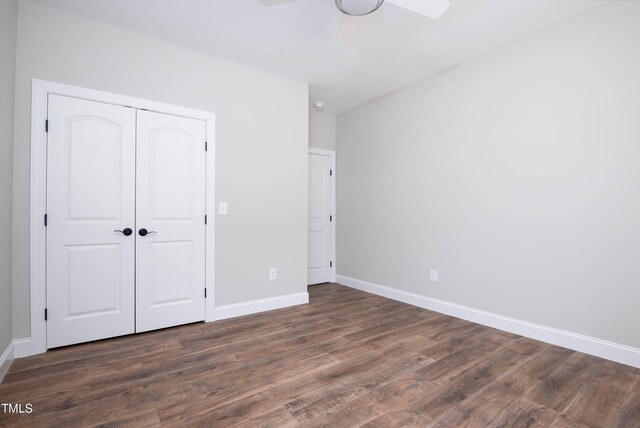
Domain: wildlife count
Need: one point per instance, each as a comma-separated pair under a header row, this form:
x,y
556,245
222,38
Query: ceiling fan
x,y
352,8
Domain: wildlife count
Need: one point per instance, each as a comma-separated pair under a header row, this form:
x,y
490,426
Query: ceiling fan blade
x,y
431,8
274,2
347,31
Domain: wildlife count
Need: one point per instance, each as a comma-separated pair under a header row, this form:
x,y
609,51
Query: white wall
x,y
516,175
261,143
8,24
322,130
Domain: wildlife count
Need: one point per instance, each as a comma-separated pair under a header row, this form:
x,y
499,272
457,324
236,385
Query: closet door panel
x,y
170,249
90,195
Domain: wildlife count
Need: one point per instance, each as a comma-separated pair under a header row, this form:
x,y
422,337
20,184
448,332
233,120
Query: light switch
x,y
222,208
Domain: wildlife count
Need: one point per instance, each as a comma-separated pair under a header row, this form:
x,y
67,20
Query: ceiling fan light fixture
x,y
358,7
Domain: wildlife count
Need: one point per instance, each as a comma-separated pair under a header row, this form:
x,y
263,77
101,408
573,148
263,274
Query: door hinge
x,y
46,125
330,172
205,293
330,218
45,220
45,314
206,146
205,219
330,264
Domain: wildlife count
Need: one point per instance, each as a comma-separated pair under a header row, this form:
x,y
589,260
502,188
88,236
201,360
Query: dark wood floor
x,y
347,359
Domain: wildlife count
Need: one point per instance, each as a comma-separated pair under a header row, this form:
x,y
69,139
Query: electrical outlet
x,y
433,275
273,274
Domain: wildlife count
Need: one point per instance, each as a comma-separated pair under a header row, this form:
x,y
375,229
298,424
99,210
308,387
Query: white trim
x,y
41,89
261,305
324,152
210,238
23,347
332,156
6,359
578,342
38,205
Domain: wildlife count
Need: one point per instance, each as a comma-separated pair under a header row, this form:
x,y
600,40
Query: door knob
x,y
125,232
145,232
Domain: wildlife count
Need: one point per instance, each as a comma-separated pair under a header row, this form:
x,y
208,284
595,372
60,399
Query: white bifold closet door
x,y
170,194
90,194
110,180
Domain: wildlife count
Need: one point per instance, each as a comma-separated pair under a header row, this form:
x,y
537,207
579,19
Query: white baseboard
x,y
24,347
578,342
261,305
6,359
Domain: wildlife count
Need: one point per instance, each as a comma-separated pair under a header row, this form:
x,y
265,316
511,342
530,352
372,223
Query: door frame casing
x,y
332,156
41,89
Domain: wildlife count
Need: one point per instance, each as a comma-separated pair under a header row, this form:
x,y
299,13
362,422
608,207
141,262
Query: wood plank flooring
x,y
347,359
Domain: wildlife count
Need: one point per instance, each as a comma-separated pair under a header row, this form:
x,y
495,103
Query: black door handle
x,y
125,232
145,232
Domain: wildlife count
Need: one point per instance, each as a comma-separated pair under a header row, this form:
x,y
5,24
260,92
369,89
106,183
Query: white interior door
x,y
170,257
90,195
319,252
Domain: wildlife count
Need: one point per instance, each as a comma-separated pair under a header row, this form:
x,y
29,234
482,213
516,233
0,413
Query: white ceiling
x,y
391,48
